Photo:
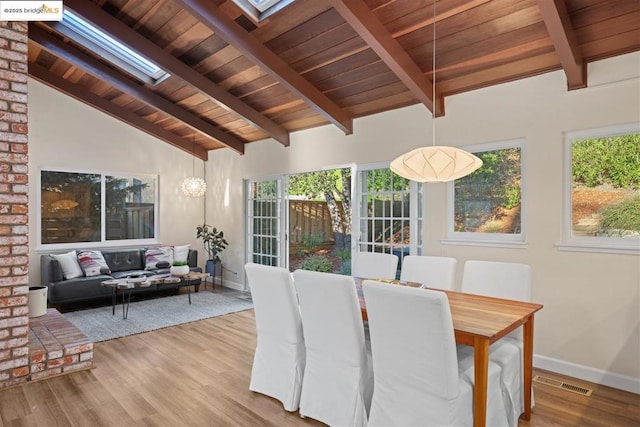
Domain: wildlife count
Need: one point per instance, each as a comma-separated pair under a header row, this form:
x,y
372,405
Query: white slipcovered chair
x,y
278,363
375,265
418,380
510,281
338,381
432,271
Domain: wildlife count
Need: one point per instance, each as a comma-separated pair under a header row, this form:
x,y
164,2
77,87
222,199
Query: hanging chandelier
x,y
194,186
435,163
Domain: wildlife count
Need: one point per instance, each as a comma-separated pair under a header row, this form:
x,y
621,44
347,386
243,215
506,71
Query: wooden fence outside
x,y
309,218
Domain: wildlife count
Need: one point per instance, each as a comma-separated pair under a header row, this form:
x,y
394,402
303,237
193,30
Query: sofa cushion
x,y
69,264
77,289
53,269
124,259
154,256
93,263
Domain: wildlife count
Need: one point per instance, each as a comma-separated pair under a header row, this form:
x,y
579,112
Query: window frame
x,y
470,238
104,243
590,243
258,11
113,50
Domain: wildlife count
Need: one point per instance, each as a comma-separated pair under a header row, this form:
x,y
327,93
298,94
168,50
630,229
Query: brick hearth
x,y
56,347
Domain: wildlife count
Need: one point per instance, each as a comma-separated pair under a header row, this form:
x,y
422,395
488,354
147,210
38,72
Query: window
x,y
486,207
77,207
602,189
259,10
390,213
118,54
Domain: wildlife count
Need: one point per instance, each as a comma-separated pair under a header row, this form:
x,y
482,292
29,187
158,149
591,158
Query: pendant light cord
x,y
433,80
193,156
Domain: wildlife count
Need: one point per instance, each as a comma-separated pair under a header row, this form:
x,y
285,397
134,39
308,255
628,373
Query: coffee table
x,y
188,280
127,284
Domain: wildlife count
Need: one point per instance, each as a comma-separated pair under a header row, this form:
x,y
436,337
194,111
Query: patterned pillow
x,y
93,263
69,264
153,256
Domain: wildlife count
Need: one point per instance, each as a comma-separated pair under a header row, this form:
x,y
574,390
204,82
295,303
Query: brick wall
x,y
14,250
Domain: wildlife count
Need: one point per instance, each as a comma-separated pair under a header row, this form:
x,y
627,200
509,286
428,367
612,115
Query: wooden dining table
x,y
479,321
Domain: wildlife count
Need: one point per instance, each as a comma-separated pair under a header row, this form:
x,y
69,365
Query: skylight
x,y
112,50
261,9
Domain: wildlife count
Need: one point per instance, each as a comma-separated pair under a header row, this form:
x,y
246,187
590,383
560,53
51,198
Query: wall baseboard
x,y
233,285
586,373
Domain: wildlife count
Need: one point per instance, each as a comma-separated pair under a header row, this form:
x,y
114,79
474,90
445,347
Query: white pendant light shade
x,y
194,186
435,164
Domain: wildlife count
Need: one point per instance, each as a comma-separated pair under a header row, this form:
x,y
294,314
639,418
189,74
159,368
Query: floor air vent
x,y
565,386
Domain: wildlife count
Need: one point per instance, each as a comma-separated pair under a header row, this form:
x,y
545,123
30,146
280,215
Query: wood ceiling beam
x,y
214,18
458,9
366,24
556,19
125,84
124,34
83,95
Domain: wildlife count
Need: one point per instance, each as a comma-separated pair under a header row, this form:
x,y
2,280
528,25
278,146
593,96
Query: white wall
x,y
64,133
591,317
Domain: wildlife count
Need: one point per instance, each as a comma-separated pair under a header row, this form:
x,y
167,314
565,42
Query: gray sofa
x,y
121,262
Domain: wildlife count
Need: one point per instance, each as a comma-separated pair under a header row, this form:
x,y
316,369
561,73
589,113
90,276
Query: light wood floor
x,y
197,374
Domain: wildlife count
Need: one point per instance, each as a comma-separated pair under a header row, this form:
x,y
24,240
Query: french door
x,y
266,219
389,213
386,214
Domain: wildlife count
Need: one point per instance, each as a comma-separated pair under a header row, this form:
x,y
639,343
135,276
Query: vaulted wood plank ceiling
x,y
233,81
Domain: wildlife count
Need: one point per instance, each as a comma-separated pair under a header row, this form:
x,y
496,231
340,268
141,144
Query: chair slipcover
x,y
510,281
375,265
418,380
338,381
432,271
278,364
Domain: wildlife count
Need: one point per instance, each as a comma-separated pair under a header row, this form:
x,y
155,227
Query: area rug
x,y
148,315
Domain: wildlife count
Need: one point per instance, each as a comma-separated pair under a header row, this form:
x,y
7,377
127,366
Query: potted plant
x,y
179,268
214,244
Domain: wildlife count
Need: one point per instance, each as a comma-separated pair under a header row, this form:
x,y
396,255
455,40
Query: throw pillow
x,y
181,253
69,264
93,263
153,256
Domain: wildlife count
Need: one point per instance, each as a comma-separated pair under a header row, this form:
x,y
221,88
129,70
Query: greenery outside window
x,y
486,207
80,209
602,190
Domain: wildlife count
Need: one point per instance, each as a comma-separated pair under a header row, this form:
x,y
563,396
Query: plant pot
x,y
179,270
211,266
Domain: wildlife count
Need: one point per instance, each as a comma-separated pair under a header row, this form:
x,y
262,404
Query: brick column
x,y
14,249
